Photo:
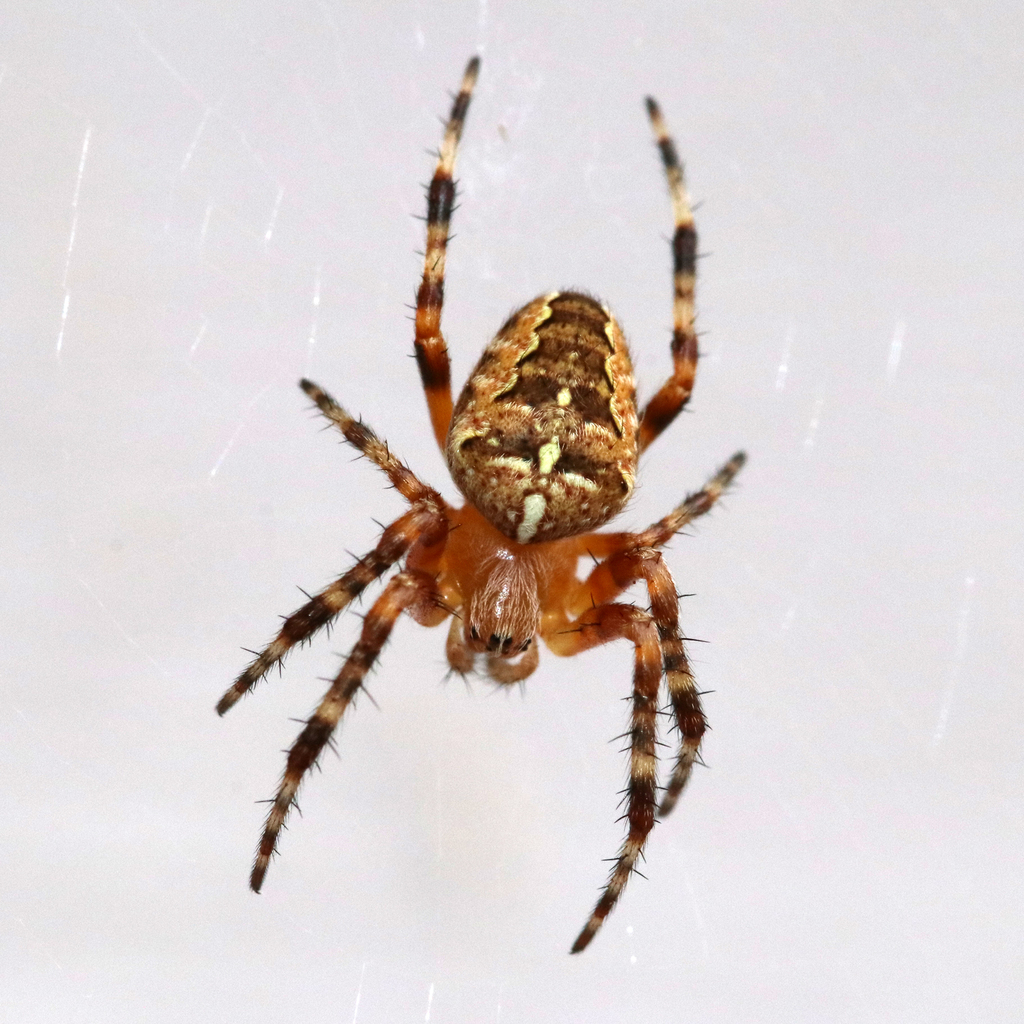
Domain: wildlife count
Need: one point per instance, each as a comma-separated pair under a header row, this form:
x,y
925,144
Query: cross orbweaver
x,y
543,443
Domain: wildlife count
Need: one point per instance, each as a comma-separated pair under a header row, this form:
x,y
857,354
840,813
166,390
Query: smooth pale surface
x,y
203,202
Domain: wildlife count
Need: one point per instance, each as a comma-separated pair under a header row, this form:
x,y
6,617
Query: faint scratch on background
x,y
203,121
698,917
895,350
962,624
206,224
124,632
71,239
312,327
812,427
812,619
199,338
629,940
783,371
501,992
238,430
430,1000
164,62
273,220
189,88
49,952
359,993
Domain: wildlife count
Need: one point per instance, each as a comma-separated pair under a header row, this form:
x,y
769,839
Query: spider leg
x,y
692,506
647,564
431,351
412,591
422,521
361,437
601,625
663,408
606,581
460,657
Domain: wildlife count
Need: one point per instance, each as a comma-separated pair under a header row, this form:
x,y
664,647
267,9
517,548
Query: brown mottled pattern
x,y
555,381
572,352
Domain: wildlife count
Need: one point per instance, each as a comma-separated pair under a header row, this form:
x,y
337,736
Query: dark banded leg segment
x,y
602,625
648,565
421,521
412,591
663,408
431,351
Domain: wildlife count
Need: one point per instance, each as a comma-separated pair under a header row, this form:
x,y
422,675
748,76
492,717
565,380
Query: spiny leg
x,y
431,352
361,437
648,565
663,408
460,657
693,505
604,583
421,521
601,625
407,591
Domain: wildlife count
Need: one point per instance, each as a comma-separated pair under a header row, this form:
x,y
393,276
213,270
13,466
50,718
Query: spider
x,y
543,443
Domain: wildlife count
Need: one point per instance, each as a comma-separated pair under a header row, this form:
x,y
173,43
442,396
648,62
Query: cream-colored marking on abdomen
x,y
522,466
548,454
610,376
534,506
580,481
564,397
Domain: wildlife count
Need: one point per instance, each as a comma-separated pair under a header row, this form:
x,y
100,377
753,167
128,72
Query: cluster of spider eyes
x,y
501,645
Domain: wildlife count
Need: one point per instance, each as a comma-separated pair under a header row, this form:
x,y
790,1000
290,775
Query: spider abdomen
x,y
543,439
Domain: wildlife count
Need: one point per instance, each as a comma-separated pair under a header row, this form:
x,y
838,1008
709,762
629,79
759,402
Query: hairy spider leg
x,y
693,505
663,408
626,559
410,591
600,585
426,522
324,607
362,438
647,564
602,625
431,351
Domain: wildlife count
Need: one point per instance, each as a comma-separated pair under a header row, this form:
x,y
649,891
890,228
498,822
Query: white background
x,y
202,202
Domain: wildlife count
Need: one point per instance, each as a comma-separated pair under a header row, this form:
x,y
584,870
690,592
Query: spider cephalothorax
x,y
543,443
